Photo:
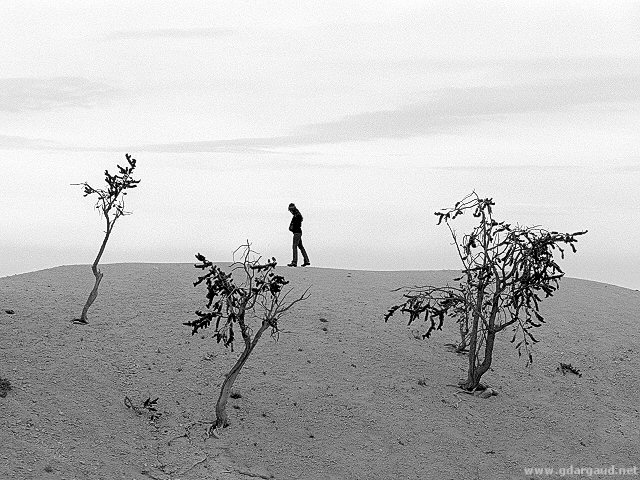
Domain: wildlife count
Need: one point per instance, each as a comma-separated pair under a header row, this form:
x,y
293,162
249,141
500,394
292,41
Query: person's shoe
x,y
306,264
292,265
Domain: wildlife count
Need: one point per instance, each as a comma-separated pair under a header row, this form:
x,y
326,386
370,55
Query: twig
x,y
458,400
151,475
251,474
247,474
177,437
212,431
195,465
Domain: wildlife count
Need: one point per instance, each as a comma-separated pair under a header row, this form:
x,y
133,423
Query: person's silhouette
x,y
295,227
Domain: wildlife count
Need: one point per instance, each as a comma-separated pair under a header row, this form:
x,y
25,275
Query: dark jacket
x,y
296,222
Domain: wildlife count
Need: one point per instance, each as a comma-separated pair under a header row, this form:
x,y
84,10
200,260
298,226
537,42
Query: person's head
x,y
292,207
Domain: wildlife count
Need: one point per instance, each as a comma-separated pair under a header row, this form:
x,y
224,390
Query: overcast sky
x,y
368,115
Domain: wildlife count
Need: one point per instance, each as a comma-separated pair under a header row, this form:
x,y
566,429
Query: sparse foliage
x,y
5,386
148,407
110,204
506,269
231,307
567,367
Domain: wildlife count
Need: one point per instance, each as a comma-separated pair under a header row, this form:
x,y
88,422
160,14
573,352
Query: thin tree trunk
x,y
476,373
488,353
96,273
472,377
473,380
222,420
92,296
488,346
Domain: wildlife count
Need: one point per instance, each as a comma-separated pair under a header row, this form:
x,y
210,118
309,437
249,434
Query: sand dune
x,y
344,403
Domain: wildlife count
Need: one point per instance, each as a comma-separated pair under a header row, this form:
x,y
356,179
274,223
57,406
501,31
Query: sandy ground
x,y
341,395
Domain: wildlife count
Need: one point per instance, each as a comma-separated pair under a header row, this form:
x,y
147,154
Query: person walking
x,y
295,227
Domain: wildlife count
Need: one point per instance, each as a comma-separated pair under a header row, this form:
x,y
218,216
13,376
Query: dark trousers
x,y
297,244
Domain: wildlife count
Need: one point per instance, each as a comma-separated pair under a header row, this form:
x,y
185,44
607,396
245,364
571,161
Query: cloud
x,y
29,94
441,111
532,67
449,111
507,168
171,33
11,142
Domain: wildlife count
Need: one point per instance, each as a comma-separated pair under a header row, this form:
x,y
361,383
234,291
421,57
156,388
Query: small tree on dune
x,y
258,297
110,204
506,269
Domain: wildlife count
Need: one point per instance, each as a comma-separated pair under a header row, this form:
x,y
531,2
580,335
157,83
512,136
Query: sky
x,y
370,116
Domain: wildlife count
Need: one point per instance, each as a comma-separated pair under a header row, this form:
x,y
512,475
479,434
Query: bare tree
x,y
260,296
110,204
505,270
